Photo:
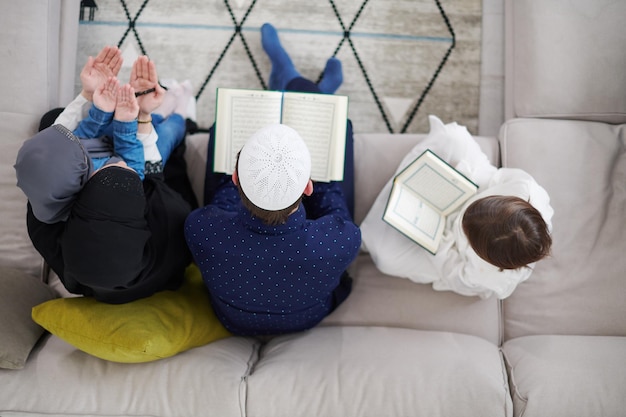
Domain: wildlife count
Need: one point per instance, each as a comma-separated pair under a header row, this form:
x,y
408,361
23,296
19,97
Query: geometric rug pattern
x,y
402,59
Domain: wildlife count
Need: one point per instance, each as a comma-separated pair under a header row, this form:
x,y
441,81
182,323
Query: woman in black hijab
x,y
106,234
123,239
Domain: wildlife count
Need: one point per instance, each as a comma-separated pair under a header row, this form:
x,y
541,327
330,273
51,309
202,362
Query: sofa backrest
x,y
376,158
37,73
565,59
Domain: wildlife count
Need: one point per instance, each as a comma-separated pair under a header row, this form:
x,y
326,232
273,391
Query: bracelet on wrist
x,y
145,121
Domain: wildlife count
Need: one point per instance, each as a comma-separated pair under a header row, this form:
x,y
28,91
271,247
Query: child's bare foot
x,y
105,96
127,108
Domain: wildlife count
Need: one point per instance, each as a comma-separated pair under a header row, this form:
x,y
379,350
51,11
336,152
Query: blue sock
x,y
333,76
283,69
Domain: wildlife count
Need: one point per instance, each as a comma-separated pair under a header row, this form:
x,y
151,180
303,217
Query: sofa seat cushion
x,y
564,376
580,288
59,380
383,300
378,371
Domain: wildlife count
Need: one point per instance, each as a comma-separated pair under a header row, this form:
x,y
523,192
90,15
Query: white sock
x,y
170,101
185,101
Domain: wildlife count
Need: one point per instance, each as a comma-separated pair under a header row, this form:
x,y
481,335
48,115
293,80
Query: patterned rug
x,y
402,59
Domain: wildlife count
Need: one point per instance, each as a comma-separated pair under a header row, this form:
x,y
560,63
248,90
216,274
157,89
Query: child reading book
x,y
489,245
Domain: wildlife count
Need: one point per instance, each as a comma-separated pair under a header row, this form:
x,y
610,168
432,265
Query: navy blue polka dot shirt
x,y
267,280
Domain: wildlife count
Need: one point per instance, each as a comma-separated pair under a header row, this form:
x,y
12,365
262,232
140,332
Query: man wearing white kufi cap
x,y
272,246
274,170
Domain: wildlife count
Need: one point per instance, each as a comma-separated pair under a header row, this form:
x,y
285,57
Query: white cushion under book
x,y
422,195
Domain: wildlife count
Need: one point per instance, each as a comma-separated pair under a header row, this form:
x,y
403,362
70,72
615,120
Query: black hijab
x,y
124,239
105,239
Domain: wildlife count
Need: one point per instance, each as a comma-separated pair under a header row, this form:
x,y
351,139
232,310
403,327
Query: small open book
x,y
321,120
422,195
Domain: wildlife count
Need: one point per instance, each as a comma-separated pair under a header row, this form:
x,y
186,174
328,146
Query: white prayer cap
x,y
274,167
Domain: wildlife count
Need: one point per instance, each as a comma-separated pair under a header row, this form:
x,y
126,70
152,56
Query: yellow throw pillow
x,y
160,326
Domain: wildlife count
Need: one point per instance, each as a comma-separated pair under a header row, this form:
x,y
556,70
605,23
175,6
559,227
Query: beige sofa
x,y
556,347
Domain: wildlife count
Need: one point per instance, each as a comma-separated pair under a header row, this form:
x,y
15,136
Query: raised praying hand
x,y
99,69
105,96
127,108
144,78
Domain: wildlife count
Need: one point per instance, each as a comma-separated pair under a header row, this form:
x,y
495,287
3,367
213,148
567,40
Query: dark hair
x,y
269,217
506,231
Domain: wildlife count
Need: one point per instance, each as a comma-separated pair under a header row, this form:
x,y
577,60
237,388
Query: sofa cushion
x,y
162,325
415,306
565,64
580,288
564,376
59,380
377,371
19,293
